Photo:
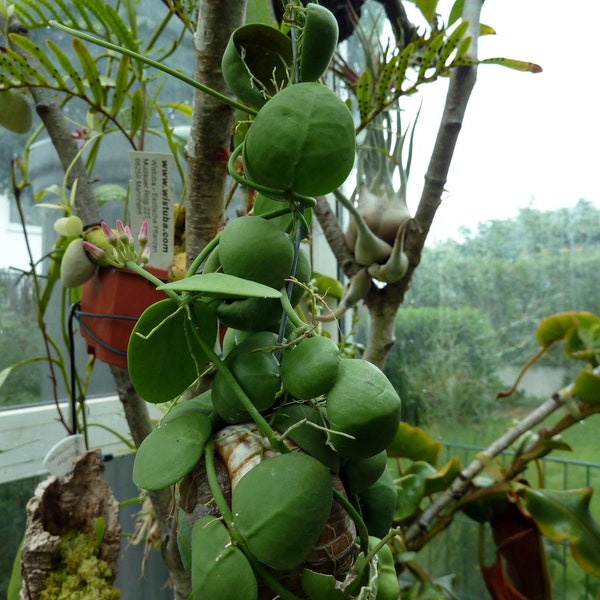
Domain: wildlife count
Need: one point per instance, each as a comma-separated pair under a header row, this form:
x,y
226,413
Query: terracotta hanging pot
x,y
111,302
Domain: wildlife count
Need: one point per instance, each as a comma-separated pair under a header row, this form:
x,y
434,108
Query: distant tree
x,y
517,272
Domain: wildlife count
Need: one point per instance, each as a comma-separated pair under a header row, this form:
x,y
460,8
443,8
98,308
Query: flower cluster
x,y
109,247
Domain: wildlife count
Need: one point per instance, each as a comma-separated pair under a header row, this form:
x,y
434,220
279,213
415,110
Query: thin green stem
x,y
215,488
133,266
274,440
361,528
289,311
153,63
202,256
263,189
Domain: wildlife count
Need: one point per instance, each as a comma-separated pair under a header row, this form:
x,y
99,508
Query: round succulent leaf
x,y
378,503
170,451
255,368
220,571
255,249
184,540
257,62
199,404
321,586
302,140
281,506
250,314
163,356
318,42
358,475
363,404
264,205
309,368
297,422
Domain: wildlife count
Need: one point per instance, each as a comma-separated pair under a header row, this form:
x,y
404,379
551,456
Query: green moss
x,y
79,574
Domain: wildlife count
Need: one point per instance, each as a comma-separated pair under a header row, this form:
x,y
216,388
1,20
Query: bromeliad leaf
x,y
565,515
222,285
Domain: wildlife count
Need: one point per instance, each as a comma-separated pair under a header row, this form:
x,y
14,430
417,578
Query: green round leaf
x,y
257,62
163,357
362,404
281,507
302,140
220,571
309,369
170,452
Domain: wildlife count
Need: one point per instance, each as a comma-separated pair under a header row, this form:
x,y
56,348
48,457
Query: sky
x,y
528,140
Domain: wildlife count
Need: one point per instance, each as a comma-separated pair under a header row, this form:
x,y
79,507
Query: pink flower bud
x,y
93,250
109,233
143,235
145,256
121,231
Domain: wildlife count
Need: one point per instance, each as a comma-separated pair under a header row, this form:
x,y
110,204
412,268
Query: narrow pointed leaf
x,y
121,85
403,62
517,65
565,515
222,285
383,85
19,68
430,54
451,44
41,55
66,64
363,95
89,70
137,112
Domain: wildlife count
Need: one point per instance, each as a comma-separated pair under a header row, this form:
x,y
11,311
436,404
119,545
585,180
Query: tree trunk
x,y
210,137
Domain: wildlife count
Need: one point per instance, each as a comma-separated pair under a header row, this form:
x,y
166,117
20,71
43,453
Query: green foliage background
x,y
474,305
19,339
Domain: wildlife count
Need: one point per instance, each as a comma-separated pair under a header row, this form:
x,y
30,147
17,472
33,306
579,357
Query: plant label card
x,y
151,191
60,460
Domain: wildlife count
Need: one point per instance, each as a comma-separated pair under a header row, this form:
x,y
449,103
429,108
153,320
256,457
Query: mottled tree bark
x,y
212,121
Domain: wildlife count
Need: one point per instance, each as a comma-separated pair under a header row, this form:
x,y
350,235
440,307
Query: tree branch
x,y
463,481
384,303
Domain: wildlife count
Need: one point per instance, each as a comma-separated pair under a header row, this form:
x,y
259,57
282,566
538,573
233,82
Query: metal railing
x,y
456,551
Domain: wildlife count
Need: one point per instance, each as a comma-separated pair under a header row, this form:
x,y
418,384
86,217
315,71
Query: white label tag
x,y
60,460
151,199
